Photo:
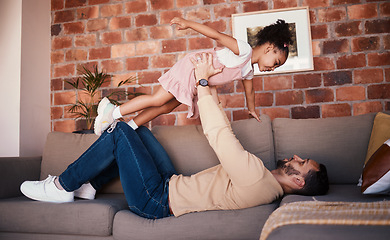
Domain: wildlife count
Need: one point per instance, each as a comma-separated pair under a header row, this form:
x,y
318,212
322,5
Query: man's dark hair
x,y
316,183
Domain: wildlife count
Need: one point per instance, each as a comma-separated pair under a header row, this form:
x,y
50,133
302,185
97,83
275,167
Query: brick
x,y
386,40
342,2
378,59
139,34
73,28
64,16
94,2
316,49
88,12
123,50
111,10
56,113
384,9
200,43
111,37
56,84
209,2
361,44
175,45
99,53
64,126
149,77
85,40
164,120
136,6
316,3
319,31
265,99
161,32
166,16
377,26
225,10
62,98
380,91
75,3
387,74
163,61
117,78
252,6
323,63
112,66
305,112
217,25
387,106
319,95
61,43
288,98
67,113
57,5
332,14
76,55
276,112
138,63
352,93
120,22
307,80
57,57
364,76
337,78
366,107
285,3
336,110
362,11
55,29
335,46
242,114
96,25
187,3
278,82
147,47
198,14
348,29
183,120
161,5
226,88
67,86
145,20
235,101
351,61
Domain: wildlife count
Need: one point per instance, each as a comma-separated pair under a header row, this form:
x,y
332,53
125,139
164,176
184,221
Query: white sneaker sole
x,y
100,111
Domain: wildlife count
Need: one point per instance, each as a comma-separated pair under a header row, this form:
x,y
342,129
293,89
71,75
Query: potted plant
x,y
87,88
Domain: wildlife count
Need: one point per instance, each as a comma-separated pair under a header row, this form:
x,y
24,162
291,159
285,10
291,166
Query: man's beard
x,y
287,169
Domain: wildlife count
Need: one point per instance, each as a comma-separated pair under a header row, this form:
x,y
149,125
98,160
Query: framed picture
x,y
246,25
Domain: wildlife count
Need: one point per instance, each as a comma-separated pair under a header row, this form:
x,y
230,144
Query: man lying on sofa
x,y
151,186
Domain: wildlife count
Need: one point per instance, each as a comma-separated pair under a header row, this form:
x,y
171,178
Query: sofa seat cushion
x,y
82,217
337,193
234,224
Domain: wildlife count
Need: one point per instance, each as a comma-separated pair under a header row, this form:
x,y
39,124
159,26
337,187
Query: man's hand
x,y
204,66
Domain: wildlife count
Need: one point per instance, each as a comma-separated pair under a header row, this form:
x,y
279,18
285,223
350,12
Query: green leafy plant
x,y
87,88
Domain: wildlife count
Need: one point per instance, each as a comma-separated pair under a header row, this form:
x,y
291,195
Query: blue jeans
x,y
140,161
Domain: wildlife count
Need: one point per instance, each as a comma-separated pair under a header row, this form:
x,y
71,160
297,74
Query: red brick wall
x,y
350,39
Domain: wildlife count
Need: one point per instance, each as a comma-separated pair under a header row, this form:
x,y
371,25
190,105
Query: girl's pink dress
x,y
180,80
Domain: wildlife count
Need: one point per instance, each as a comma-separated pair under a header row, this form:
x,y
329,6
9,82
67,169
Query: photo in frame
x,y
246,25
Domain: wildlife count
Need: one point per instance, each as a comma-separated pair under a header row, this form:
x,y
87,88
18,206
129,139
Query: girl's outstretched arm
x,y
221,38
250,98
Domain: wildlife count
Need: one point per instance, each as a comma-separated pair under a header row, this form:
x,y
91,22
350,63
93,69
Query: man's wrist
x,y
202,82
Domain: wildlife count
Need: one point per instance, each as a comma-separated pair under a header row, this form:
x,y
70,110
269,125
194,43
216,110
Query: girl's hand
x,y
181,23
254,114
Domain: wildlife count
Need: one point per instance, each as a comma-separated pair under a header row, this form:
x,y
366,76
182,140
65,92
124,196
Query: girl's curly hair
x,y
277,33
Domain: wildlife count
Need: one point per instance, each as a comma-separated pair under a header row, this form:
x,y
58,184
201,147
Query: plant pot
x,y
89,131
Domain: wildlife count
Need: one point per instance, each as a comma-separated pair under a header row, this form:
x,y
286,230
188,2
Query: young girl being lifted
x,y
178,85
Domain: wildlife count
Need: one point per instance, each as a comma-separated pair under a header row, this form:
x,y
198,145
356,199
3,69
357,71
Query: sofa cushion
x,y
376,172
61,149
82,217
190,151
379,134
234,224
339,143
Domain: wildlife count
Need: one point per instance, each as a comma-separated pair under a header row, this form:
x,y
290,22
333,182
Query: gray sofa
x,y
339,143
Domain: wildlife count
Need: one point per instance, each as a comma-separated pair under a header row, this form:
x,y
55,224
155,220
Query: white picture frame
x,y
301,55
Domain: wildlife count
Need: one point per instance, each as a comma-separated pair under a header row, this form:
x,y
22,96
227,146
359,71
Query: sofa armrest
x,y
15,170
